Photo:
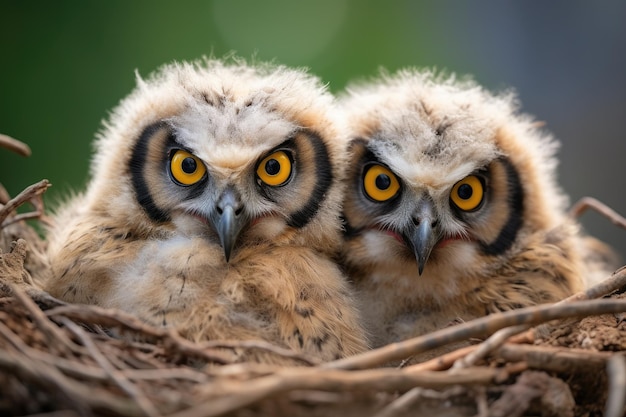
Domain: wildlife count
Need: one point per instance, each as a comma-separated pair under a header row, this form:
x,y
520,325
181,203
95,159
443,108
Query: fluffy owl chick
x,y
452,209
214,208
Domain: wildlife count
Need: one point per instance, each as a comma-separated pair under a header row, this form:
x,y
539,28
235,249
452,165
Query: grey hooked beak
x,y
228,219
424,236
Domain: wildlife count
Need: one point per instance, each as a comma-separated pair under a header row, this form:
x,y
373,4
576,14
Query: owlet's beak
x,y
423,234
228,218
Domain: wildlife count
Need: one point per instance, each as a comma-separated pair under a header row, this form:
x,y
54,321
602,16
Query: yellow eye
x,y
468,193
275,169
186,168
380,183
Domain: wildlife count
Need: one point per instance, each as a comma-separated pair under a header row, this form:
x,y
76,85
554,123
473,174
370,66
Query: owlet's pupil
x,y
383,182
272,167
188,165
465,191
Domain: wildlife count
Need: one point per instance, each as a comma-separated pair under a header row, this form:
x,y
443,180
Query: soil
x,y
604,333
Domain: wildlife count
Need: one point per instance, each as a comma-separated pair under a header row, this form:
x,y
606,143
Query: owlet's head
x,y
443,175
240,154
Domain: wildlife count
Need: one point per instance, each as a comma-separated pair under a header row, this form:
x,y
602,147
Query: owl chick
x,y
452,211
214,208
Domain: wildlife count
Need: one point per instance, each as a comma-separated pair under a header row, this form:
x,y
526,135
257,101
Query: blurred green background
x,y
64,65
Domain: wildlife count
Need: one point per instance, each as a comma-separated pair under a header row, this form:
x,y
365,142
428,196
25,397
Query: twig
x,y
23,216
489,345
78,396
244,370
14,145
66,366
118,378
54,334
444,361
616,281
27,194
616,372
186,374
47,377
291,379
118,319
4,195
402,404
87,372
477,328
482,406
206,350
586,203
555,359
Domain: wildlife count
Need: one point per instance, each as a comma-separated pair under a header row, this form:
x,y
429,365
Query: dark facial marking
x,y
137,165
324,179
508,233
349,231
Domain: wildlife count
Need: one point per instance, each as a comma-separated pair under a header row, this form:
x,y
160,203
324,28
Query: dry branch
x,y
586,203
74,394
552,358
212,351
4,195
30,193
232,397
226,388
477,328
616,371
616,281
120,379
14,145
127,322
404,402
56,338
68,367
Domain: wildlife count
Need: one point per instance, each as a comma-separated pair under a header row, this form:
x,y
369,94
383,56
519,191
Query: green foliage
x,y
65,65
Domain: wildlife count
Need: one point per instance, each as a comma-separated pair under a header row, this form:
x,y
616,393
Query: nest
x,y
565,359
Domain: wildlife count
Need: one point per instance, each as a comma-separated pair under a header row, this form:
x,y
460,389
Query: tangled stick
x,y
351,373
538,358
477,328
211,351
33,194
607,286
117,377
231,392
